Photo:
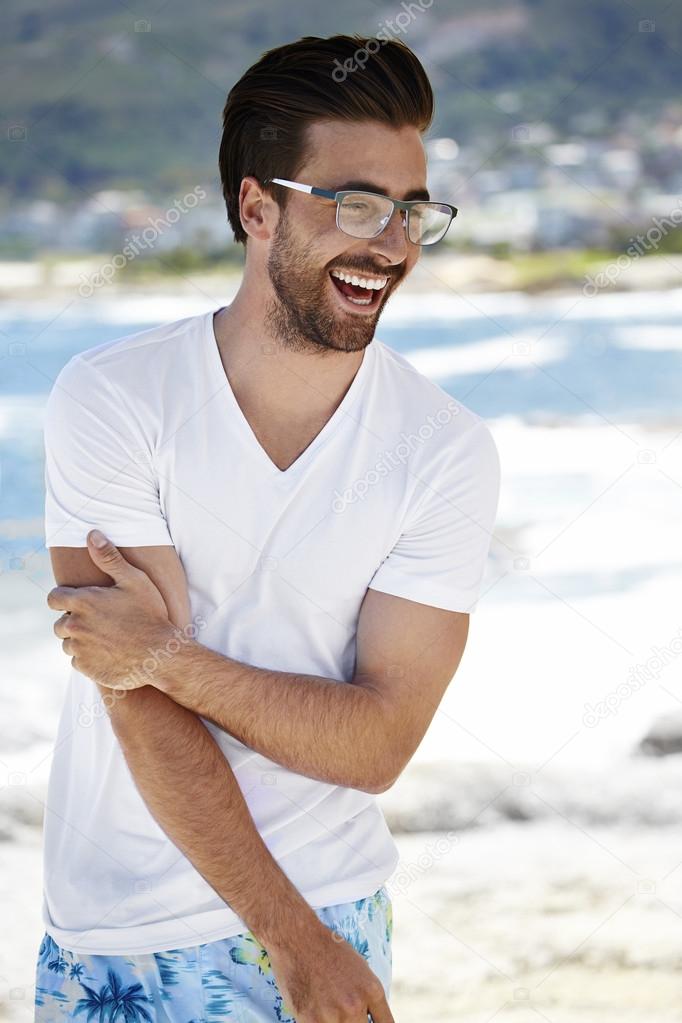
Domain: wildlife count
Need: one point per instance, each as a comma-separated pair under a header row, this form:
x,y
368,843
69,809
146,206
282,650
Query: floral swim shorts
x,y
229,979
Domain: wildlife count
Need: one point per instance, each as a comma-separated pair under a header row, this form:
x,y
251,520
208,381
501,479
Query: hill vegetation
x,y
115,94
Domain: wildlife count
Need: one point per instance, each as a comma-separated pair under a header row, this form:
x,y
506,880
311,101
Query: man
x,y
295,526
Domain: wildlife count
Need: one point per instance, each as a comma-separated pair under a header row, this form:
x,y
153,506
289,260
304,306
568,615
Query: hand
x,y
322,979
113,632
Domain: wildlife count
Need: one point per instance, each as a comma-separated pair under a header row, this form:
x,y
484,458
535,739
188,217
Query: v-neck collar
x,y
217,371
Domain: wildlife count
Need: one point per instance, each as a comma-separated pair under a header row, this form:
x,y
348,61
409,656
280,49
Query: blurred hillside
x,y
120,95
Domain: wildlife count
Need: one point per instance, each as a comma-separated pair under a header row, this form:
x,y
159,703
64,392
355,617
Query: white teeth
x,y
374,283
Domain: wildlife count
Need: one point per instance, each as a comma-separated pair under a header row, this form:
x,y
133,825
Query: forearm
x,y
332,731
191,791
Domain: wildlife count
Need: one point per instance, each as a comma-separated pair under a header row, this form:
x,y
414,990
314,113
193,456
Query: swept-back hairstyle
x,y
349,78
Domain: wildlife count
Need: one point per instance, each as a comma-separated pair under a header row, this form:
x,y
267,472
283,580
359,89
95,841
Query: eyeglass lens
x,y
363,215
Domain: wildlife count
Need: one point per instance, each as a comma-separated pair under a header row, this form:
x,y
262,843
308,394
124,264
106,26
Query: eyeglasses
x,y
366,214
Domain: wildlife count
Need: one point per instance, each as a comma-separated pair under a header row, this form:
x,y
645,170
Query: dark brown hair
x,y
350,78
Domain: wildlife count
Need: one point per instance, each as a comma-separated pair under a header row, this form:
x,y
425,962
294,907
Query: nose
x,y
392,242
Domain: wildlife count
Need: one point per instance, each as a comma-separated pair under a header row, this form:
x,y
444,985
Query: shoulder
x,y
148,351
435,422
125,386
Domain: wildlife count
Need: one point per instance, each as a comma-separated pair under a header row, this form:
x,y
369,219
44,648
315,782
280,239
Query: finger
x,y
108,557
62,625
63,598
379,1011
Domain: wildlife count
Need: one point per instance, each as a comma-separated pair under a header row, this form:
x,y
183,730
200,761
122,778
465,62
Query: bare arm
x,y
359,734
167,749
183,775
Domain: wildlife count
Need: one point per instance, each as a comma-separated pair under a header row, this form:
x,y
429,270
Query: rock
x,y
664,736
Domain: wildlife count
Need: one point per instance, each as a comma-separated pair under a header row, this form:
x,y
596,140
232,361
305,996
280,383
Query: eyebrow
x,y
371,186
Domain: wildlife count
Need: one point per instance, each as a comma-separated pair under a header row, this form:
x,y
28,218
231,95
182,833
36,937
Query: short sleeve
x,y
441,554
98,465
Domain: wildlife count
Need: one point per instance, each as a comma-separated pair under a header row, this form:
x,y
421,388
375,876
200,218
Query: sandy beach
x,y
541,921
519,921
69,279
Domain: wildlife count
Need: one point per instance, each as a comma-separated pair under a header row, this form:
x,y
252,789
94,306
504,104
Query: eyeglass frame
x,y
401,204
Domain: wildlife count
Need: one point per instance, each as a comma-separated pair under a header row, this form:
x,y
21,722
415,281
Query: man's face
x,y
311,305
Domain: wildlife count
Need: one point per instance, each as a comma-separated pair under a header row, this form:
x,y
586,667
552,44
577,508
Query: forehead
x,y
338,151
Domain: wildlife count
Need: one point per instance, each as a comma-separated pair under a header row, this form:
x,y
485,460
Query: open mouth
x,y
358,290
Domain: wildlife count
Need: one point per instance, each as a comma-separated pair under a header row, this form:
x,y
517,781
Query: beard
x,y
302,314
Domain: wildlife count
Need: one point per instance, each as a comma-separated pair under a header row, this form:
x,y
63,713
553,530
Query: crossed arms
x,y
359,734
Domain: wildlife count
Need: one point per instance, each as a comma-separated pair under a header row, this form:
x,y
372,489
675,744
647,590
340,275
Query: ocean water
x,y
601,360
572,651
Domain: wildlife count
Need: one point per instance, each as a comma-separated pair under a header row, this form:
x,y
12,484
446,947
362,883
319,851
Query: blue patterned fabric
x,y
229,979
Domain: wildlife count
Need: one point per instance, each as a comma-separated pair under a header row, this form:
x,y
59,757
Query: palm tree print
x,y
114,1002
96,1003
127,1001
234,975
58,965
48,948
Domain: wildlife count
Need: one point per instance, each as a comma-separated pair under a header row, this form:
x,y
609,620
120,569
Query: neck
x,y
263,371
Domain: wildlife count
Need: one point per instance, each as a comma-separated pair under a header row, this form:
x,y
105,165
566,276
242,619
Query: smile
x,y
358,289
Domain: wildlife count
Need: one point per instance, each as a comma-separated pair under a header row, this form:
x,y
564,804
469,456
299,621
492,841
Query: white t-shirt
x,y
145,440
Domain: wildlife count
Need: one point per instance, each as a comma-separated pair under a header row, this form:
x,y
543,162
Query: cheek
x,y
324,220
412,258
312,247
312,228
